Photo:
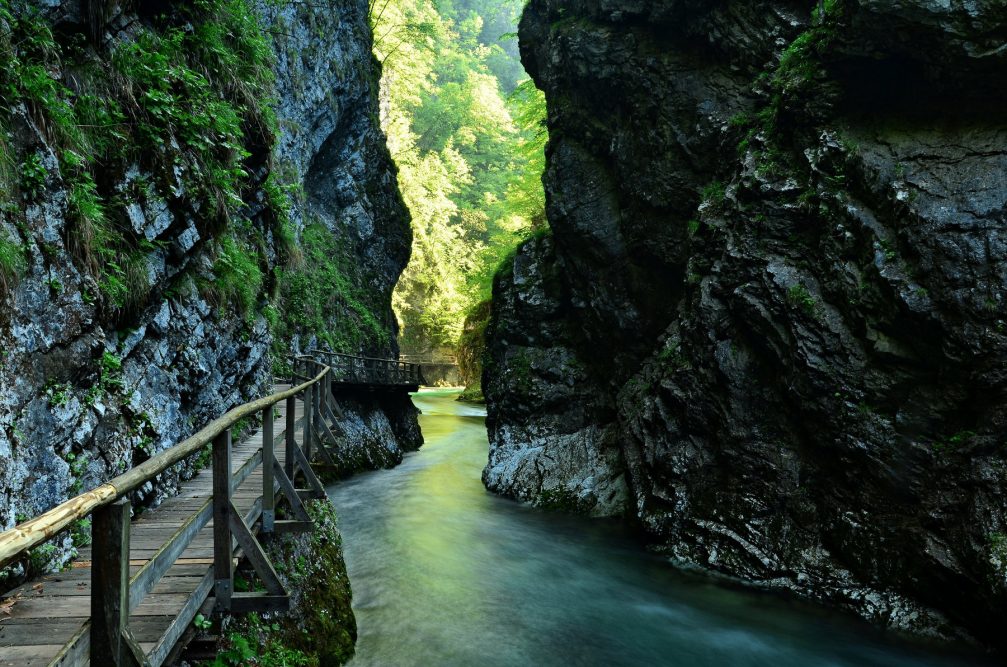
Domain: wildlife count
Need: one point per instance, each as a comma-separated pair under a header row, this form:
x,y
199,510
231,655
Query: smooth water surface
x,y
445,573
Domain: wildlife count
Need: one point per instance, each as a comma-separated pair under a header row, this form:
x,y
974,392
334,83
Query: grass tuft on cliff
x,y
188,101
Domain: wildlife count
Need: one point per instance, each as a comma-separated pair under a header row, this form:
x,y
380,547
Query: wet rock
x,y
777,259
89,389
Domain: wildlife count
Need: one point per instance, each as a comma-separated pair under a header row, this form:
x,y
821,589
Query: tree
x,y
470,158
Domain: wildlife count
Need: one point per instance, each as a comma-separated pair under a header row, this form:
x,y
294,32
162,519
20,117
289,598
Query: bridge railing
x,y
432,359
350,369
107,638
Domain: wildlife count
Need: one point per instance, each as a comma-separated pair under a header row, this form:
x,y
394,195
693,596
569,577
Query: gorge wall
x,y
190,191
768,322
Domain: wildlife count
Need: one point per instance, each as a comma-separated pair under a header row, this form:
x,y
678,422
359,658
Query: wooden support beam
x,y
326,388
316,425
293,497
223,572
268,458
328,413
308,430
255,555
325,436
291,441
290,526
309,474
111,642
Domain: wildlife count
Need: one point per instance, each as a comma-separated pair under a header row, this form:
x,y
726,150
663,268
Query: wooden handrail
x,y
376,371
33,532
114,593
354,356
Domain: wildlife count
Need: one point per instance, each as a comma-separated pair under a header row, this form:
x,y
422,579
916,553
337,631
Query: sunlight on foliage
x,y
468,137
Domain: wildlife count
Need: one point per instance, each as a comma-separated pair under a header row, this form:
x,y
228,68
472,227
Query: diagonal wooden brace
x,y
313,481
254,553
322,428
290,492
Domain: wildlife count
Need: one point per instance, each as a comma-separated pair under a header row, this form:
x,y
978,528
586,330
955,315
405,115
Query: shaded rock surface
x,y
768,324
88,390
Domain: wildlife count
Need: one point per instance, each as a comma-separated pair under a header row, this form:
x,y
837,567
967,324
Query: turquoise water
x,y
446,574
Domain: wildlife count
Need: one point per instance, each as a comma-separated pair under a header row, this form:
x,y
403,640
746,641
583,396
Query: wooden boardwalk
x,y
41,620
130,599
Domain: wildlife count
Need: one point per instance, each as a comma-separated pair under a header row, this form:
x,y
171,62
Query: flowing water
x,y
444,573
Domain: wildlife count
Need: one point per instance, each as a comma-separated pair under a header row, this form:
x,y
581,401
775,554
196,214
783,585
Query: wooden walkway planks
x,y
44,615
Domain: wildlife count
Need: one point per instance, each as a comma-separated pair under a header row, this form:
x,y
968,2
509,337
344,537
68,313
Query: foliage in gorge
x,y
468,139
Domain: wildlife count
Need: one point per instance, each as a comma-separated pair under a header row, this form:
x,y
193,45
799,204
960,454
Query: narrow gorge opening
x,y
466,128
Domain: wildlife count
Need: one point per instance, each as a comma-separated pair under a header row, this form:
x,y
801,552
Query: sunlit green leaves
x,y
469,172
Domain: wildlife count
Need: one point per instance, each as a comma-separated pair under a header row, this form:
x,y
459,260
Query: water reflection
x,y
446,574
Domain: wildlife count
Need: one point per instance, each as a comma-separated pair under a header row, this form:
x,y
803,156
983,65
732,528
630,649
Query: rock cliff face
x,y
184,200
769,322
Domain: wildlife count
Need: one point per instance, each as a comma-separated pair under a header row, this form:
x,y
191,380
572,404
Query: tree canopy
x,y
467,130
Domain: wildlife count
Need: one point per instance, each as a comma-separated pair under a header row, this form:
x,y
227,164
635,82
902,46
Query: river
x,y
446,574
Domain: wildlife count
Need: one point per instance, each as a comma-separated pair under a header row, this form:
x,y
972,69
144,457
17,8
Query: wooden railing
x,y
431,359
114,593
349,369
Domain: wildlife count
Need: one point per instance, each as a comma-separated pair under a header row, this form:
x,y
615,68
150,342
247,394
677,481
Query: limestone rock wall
x,y
93,380
769,324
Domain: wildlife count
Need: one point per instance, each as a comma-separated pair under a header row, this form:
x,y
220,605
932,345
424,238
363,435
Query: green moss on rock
x,y
320,629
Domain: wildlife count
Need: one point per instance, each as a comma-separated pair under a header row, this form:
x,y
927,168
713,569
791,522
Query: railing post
x,y
308,403
316,411
223,573
268,457
319,398
111,641
291,441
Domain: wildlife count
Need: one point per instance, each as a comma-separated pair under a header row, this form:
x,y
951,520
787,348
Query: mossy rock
x,y
320,629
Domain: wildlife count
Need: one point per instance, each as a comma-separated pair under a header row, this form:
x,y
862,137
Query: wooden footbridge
x,y
129,600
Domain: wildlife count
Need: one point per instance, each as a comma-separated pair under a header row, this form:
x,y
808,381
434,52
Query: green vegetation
x,y
793,92
188,100
472,349
671,356
33,176
59,394
799,296
237,277
111,371
12,262
953,443
78,466
80,532
468,136
325,283
254,644
714,194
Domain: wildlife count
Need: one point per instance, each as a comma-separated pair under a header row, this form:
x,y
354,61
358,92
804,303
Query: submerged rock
x,y
768,323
